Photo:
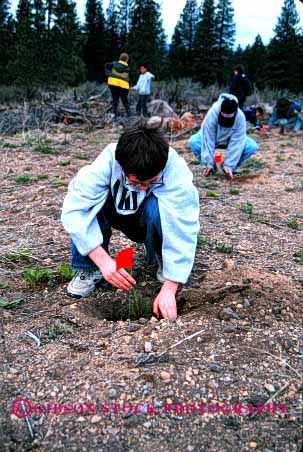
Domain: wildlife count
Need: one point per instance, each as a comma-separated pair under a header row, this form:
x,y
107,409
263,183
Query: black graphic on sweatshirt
x,y
124,198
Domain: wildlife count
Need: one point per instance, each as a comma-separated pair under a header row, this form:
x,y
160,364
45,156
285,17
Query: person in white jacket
x,y
142,187
224,127
143,86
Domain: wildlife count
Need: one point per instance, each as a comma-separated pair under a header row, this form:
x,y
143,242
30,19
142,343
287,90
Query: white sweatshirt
x,y
178,202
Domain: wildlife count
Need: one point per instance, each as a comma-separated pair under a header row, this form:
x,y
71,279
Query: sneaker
x,y
83,283
160,276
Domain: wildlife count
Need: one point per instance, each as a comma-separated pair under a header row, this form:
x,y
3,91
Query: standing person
x,y
240,85
118,82
142,187
286,112
224,127
143,86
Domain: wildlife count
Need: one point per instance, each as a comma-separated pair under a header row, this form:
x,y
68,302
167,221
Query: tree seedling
x,y
137,307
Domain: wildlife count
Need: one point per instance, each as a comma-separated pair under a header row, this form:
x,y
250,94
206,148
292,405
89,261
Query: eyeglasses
x,y
159,183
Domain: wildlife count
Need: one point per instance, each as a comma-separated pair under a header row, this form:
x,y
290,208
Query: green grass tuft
x,y
64,271
211,194
59,328
246,207
223,248
23,180
64,162
36,276
234,191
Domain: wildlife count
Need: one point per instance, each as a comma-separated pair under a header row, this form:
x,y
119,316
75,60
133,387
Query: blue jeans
x,y
144,226
284,122
195,144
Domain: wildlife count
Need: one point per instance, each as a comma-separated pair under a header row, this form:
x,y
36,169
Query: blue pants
x,y
144,226
195,144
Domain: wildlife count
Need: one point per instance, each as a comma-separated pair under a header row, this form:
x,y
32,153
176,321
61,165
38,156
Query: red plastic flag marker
x,y
124,259
218,158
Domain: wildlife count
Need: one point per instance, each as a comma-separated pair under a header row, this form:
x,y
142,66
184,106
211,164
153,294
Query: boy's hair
x,y
260,110
124,57
142,150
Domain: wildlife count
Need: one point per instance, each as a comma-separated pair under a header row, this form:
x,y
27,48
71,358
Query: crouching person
x,y
224,127
141,187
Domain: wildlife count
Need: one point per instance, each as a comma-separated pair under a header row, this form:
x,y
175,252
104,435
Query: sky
x,y
251,17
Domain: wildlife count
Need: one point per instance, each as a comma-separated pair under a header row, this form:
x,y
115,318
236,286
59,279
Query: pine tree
x,y
146,39
225,38
124,18
22,66
67,65
205,44
283,51
112,48
183,40
6,39
94,48
177,56
40,40
253,59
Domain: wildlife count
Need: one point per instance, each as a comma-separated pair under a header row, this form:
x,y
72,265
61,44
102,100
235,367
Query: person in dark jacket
x,y
240,85
286,112
118,82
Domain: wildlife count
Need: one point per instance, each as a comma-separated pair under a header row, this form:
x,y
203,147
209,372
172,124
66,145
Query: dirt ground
x,y
127,384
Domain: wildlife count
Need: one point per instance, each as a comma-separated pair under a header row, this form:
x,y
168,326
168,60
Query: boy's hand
x,y
228,173
107,265
206,171
165,302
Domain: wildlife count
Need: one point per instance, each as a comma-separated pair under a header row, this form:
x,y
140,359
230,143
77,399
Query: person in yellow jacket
x,y
118,82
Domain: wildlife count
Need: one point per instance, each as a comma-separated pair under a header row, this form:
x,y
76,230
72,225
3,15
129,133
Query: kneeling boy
x,y
143,188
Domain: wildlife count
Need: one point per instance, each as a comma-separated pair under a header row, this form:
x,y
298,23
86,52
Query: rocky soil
x,y
131,383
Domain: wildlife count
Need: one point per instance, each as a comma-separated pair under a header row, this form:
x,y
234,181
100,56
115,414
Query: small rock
x,y
96,419
239,306
147,424
229,265
230,328
148,347
153,319
253,445
228,313
269,387
105,333
112,393
164,376
246,303
143,321
190,448
215,368
131,327
228,283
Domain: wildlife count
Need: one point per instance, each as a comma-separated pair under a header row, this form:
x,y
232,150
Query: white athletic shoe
x,y
83,283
